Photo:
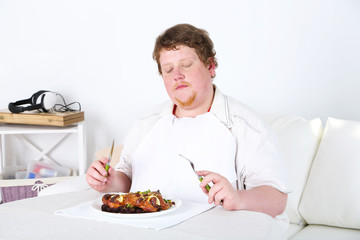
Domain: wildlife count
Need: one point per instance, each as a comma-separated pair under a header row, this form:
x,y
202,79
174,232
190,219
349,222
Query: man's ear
x,y
212,67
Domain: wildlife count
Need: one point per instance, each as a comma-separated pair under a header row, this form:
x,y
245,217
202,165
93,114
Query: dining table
x,y
40,218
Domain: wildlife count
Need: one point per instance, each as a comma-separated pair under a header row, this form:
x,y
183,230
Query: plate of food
x,y
136,205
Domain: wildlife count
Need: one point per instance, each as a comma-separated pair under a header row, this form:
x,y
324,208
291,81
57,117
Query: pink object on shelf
x,y
13,193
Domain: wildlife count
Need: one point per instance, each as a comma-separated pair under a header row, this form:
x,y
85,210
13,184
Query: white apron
x,y
156,164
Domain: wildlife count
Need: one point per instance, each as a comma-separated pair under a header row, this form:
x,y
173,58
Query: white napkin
x,y
184,212
156,163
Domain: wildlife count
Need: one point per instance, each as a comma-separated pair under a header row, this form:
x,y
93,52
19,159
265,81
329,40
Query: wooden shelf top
x,y
59,119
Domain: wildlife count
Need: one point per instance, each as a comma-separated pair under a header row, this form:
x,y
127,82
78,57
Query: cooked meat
x,y
138,202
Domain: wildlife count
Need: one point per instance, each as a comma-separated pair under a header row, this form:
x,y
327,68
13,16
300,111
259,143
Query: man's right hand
x,y
96,175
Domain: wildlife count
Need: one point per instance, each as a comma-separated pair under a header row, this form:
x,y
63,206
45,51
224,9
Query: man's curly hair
x,y
187,35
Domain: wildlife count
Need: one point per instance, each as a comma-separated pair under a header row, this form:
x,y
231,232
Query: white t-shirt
x,y
258,161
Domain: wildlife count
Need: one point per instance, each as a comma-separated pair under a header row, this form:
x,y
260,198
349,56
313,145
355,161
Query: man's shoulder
x,y
237,108
152,116
158,111
241,113
142,126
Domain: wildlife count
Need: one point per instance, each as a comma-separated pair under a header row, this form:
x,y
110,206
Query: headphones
x,y
42,101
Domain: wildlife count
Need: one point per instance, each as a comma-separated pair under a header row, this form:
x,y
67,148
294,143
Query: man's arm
x,y
120,183
265,199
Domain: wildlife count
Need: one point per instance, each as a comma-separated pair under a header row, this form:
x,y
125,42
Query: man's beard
x,y
188,102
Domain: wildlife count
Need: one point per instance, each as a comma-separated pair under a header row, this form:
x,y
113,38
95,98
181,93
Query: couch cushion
x,y
317,232
332,196
299,139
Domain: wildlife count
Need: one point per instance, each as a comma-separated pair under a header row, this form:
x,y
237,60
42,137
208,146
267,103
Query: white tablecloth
x,y
35,218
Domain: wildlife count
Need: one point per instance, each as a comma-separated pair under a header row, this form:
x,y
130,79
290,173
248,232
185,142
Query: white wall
x,y
289,57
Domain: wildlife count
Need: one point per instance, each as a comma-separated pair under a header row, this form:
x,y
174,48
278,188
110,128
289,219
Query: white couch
x,y
324,167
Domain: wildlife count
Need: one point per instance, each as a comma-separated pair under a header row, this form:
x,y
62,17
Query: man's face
x,y
187,80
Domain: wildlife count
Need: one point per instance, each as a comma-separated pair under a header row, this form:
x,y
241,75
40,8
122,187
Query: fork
x,y
199,177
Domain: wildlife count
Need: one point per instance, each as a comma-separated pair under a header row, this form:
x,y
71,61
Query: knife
x,y
107,166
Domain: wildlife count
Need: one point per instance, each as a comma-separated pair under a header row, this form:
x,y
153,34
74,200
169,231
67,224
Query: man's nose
x,y
178,75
